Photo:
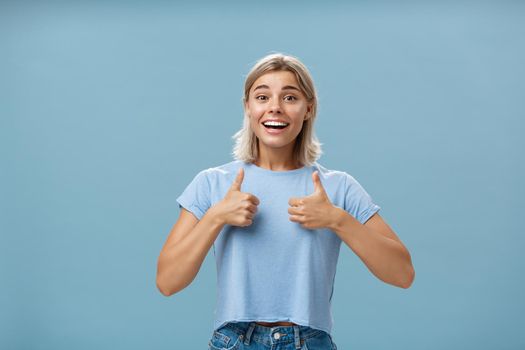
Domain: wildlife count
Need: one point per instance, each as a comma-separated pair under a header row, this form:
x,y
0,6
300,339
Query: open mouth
x,y
275,125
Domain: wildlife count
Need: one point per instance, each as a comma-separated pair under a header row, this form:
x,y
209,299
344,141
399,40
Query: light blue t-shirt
x,y
276,270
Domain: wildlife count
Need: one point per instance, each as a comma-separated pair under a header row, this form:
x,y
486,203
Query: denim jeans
x,y
252,336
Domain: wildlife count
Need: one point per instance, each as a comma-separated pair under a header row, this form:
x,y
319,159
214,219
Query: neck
x,y
277,159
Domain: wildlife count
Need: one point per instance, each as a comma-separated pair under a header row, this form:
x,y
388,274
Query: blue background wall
x,y
108,110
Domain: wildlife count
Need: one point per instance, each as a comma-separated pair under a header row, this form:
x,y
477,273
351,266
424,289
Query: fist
x,y
313,211
238,208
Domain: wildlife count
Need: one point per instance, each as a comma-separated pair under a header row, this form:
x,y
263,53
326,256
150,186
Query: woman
x,y
276,219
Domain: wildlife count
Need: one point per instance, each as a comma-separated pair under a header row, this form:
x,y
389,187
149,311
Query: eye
x,y
290,98
260,97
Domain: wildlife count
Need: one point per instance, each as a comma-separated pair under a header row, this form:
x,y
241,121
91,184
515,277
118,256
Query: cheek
x,y
297,111
256,111
254,123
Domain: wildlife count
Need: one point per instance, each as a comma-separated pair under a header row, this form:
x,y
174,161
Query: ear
x,y
246,108
308,115
308,111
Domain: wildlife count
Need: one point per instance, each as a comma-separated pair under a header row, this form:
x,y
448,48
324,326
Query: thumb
x,y
318,186
236,186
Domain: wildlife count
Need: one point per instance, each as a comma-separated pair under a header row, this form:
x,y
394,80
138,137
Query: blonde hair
x,y
307,147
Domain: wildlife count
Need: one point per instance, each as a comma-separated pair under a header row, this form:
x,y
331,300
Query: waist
x,y
272,324
260,330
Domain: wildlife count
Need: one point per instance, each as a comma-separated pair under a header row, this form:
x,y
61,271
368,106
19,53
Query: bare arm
x,y
185,249
377,246
190,239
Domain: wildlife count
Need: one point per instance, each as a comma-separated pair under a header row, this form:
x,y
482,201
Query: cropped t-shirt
x,y
275,269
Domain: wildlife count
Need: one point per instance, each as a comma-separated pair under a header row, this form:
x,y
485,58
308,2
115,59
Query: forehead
x,y
276,79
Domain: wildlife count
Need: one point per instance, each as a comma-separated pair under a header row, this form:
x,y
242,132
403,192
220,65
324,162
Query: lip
x,y
274,131
274,120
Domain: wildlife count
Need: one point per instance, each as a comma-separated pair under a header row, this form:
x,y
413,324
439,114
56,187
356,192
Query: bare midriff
x,y
272,324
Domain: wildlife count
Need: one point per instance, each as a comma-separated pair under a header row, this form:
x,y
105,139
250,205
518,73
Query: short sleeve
x,y
196,196
357,201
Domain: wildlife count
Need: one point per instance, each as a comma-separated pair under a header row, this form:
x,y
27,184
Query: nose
x,y
275,106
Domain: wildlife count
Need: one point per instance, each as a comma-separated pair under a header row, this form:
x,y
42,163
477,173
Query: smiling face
x,y
276,96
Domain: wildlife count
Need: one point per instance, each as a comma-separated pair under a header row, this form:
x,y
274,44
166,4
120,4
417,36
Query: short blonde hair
x,y
307,147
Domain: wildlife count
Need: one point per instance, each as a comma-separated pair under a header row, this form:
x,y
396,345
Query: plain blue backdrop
x,y
108,110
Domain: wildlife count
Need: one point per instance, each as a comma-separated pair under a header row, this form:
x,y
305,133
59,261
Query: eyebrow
x,y
287,87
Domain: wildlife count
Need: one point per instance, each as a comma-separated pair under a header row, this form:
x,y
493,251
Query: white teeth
x,y
272,123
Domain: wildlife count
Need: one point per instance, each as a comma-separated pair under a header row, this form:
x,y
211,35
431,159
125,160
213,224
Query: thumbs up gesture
x,y
313,211
238,208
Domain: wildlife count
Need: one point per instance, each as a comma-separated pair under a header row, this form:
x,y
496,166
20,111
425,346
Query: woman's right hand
x,y
237,208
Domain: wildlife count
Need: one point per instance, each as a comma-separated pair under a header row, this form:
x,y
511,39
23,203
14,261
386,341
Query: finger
x,y
236,186
318,186
294,211
297,218
295,202
254,199
252,208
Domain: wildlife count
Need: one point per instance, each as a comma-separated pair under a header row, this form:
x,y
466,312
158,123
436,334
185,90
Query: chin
x,y
275,143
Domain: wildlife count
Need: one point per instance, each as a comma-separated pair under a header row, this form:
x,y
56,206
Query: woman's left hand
x,y
313,211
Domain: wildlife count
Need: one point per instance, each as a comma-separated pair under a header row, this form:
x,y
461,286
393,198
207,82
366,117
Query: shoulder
x,y
342,178
225,170
331,175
